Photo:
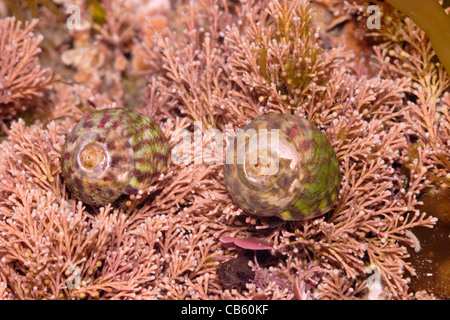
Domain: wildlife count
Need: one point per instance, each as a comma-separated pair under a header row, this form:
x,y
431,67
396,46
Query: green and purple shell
x,y
113,152
282,166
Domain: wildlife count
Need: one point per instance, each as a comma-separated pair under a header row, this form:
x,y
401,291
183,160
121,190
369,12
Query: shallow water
x,y
432,262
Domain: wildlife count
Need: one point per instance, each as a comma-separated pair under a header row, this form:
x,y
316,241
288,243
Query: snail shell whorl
x,y
306,180
113,152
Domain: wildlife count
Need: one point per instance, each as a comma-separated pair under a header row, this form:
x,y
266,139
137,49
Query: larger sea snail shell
x,y
294,177
113,152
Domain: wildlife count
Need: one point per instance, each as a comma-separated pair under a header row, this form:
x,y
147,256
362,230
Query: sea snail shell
x,y
112,152
305,180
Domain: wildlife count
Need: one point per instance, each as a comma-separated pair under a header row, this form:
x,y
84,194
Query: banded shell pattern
x,y
112,152
306,181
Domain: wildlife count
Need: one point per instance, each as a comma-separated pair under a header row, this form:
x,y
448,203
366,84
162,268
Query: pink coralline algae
x,y
379,96
22,79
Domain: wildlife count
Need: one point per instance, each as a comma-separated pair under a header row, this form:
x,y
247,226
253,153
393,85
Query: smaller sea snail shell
x,y
303,184
112,152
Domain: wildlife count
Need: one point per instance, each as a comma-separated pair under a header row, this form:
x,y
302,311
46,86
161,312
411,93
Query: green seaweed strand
x,y
431,18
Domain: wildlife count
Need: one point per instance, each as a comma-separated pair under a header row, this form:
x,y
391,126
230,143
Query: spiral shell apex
x,y
113,152
282,166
